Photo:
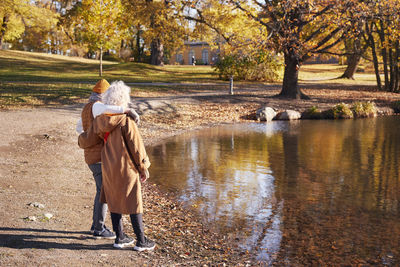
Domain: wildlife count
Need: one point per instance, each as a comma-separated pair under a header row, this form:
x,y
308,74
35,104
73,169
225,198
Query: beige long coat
x,y
123,158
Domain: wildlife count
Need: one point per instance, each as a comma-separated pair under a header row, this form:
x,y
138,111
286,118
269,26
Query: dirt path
x,y
41,162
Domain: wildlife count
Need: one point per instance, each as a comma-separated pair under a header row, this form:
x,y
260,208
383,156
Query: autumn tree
x,y
156,21
373,34
16,15
382,32
234,35
354,45
58,41
373,25
96,23
158,25
296,28
353,53
219,23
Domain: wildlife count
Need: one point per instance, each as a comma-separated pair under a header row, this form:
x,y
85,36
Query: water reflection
x,y
305,193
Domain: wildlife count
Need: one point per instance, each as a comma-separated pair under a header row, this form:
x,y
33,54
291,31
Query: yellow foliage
x,y
15,15
158,20
100,23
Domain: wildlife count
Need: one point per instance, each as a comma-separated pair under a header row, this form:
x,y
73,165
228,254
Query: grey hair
x,y
118,94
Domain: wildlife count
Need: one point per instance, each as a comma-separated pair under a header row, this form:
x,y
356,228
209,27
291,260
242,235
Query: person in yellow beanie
x,y
101,86
92,154
99,108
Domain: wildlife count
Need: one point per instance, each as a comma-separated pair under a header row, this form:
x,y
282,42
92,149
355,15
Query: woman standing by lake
x,y
125,166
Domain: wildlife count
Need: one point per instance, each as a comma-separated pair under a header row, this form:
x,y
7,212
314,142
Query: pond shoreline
x,y
167,126
196,115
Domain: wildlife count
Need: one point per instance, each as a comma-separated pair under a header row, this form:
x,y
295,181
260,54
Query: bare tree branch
x,y
327,38
205,22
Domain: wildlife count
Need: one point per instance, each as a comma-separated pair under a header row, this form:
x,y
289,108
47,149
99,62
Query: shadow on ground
x,y
33,238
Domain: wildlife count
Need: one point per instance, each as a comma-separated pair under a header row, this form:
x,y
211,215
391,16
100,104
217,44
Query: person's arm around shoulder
x,y
100,108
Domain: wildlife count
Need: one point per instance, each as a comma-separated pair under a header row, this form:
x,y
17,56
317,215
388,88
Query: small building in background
x,y
5,46
201,52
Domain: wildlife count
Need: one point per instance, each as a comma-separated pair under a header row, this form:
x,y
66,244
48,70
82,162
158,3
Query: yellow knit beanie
x,y
101,86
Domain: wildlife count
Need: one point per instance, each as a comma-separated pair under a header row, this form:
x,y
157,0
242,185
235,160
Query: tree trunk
x,y
376,67
138,47
352,60
101,62
374,55
352,64
157,53
385,68
290,87
391,70
384,56
396,67
157,48
3,30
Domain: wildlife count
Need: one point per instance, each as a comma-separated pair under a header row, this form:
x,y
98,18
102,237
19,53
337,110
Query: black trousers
x,y
137,224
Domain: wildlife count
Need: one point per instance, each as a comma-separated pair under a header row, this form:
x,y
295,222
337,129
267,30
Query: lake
x,y
296,193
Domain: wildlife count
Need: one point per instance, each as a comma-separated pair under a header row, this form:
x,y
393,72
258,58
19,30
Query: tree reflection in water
x,y
302,193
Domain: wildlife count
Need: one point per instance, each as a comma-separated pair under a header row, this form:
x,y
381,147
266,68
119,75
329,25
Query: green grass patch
x,y
339,111
329,73
364,109
343,111
39,94
36,94
28,66
39,79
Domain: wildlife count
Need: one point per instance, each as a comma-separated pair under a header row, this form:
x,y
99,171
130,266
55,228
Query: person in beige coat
x,y
125,167
92,151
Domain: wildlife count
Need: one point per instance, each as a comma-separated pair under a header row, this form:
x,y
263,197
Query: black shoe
x,y
92,229
105,234
146,245
121,243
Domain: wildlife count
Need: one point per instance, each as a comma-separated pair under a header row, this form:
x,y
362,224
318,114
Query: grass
x,y
37,79
25,94
364,109
328,73
339,111
343,111
28,66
